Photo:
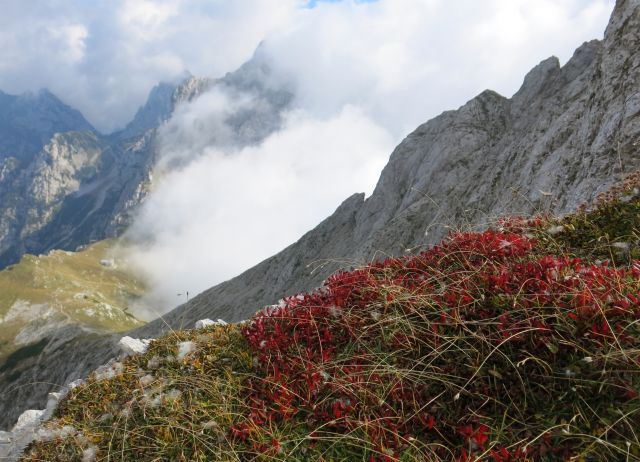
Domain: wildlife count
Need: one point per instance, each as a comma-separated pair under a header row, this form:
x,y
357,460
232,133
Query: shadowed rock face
x,y
566,135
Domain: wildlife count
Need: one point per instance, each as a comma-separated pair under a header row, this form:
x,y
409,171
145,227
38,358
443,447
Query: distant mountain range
x,y
63,184
566,135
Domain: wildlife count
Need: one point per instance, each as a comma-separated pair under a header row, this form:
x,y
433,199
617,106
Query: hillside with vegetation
x,y
568,133
519,343
91,288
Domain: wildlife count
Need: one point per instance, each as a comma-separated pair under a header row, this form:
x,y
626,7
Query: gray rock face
x,y
157,110
566,135
30,196
27,123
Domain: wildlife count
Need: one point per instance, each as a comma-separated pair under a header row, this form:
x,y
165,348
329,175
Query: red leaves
x,y
313,351
480,436
504,455
476,436
341,407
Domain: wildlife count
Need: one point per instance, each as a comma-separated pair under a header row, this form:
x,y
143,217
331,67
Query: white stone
x,y
555,230
5,437
154,363
89,454
30,418
52,402
210,322
109,371
75,384
205,323
146,380
133,346
184,348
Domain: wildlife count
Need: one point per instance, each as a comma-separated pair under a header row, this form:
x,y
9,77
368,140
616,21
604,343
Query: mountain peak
x,y
29,120
623,19
156,110
536,80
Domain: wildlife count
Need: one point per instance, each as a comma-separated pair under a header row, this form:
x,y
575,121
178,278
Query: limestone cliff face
x,y
31,196
566,135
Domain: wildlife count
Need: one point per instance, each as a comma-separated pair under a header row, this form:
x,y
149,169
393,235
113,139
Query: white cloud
x,y
146,16
71,39
228,209
103,56
126,47
405,61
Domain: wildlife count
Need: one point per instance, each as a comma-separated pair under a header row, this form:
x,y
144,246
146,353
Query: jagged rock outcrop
x,y
566,135
157,110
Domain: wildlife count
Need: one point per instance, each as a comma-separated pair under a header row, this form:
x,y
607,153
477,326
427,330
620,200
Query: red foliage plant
x,y
484,347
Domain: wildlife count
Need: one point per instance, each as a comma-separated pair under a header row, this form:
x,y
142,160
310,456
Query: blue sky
x,y
314,3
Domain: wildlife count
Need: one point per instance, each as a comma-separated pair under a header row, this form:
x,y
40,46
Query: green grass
x,y
71,287
129,418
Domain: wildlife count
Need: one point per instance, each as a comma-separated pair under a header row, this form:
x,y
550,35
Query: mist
x,y
227,209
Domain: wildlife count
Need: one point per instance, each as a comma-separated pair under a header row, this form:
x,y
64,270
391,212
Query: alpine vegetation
x,y
519,343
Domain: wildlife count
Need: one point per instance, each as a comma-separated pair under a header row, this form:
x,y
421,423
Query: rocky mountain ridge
x,y
566,135
28,121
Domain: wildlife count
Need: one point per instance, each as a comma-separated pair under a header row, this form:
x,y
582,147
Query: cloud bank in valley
x,y
227,209
365,73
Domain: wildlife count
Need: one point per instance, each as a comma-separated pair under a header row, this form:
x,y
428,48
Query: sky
x,y
104,56
365,73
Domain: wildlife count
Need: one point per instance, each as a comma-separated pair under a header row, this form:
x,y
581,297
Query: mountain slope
x,y
41,294
568,133
515,344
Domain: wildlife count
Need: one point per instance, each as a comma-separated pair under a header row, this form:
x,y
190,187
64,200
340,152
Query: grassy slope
x,y
69,287
520,343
